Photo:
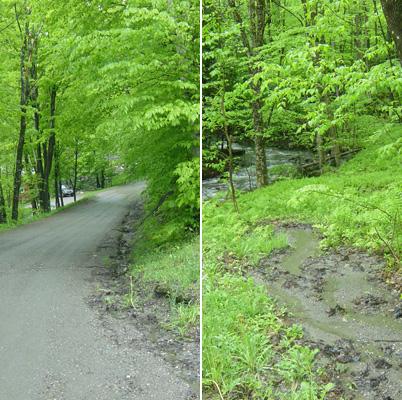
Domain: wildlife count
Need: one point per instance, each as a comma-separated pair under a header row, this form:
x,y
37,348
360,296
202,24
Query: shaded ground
x,y
345,310
136,303
53,345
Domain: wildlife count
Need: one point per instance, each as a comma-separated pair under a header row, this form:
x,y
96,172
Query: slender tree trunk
x,y
393,14
23,125
40,170
258,17
61,194
259,141
75,171
3,213
40,149
102,179
230,152
57,189
257,13
49,153
32,194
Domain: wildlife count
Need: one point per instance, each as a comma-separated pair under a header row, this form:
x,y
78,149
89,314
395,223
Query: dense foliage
x,y
319,75
316,67
90,90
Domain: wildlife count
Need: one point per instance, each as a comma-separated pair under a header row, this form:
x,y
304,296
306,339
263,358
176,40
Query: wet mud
x,y
346,311
149,313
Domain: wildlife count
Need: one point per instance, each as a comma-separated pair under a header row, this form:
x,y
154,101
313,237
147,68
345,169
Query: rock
x,y
336,310
381,363
162,290
398,311
369,301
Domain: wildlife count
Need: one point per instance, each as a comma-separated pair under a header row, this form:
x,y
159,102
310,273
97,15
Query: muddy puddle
x,y
345,310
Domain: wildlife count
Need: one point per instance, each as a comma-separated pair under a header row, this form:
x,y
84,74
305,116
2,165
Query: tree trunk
x,y
3,213
23,126
49,152
57,188
75,171
102,180
258,17
230,151
32,194
56,191
61,194
393,14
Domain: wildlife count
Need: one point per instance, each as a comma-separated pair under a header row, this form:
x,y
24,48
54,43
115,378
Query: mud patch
x,y
134,304
346,311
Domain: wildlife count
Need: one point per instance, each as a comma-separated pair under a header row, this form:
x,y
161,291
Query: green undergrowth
x,y
359,204
249,349
172,271
26,216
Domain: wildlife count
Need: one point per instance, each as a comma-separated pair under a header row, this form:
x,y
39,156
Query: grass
x,y
247,348
250,351
359,204
26,216
173,271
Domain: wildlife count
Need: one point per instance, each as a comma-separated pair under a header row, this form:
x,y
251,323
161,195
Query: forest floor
x,y
54,341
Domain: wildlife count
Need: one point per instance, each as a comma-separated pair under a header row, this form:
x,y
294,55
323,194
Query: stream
x,y
346,311
244,176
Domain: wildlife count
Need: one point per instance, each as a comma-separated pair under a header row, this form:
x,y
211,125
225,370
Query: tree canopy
x,y
90,89
300,72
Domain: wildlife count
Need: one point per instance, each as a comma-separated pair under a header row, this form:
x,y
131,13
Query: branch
x,y
3,29
367,207
239,20
289,11
394,254
17,19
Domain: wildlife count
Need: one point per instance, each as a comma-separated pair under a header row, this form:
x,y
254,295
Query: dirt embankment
x,y
133,303
346,311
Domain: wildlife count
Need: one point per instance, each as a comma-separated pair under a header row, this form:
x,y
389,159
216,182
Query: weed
x,y
173,271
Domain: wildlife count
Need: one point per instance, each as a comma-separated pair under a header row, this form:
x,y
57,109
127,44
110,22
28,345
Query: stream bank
x,y
345,309
280,162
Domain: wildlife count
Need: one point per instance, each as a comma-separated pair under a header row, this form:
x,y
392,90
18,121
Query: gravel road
x,y
53,345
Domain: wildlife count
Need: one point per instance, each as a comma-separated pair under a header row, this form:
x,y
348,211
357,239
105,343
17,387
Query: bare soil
x,y
150,312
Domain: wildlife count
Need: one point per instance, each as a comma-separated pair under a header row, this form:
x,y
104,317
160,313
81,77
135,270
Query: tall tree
x,y
393,14
24,93
252,42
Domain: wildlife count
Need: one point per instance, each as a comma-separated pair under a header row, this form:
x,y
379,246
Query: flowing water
x,y
244,177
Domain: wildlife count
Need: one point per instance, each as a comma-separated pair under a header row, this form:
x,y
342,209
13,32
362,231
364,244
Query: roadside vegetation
x,y
323,77
26,216
171,272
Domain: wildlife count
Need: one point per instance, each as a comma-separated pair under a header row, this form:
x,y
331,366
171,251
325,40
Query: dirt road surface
x,y
53,345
